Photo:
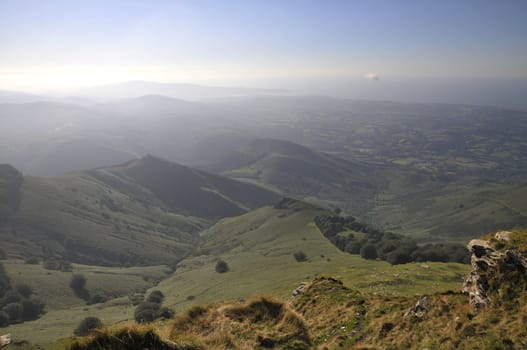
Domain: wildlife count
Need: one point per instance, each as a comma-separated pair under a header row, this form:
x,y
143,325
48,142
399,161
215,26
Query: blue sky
x,y
59,43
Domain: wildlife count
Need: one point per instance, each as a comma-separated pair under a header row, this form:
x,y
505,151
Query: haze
x,y
316,47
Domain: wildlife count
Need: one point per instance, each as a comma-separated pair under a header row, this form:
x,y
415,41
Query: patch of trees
x,y
388,246
16,302
151,309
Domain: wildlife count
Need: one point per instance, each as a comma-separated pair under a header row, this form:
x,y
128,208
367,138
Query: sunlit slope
x,y
81,219
259,248
64,310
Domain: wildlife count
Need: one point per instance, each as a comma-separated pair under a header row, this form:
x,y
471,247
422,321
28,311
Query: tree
x,y
78,282
368,251
222,266
14,311
4,319
155,297
146,312
87,325
24,290
31,309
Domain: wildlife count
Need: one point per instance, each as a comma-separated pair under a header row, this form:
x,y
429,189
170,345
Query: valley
x,y
182,187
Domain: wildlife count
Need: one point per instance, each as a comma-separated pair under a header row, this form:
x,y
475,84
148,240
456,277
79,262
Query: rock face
x,y
496,273
5,340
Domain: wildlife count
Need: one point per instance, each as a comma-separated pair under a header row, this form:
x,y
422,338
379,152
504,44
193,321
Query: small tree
x,y
24,290
87,325
31,309
155,297
4,319
222,266
78,282
368,251
146,312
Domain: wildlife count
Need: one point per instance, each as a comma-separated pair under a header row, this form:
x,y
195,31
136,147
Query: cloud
x,y
372,76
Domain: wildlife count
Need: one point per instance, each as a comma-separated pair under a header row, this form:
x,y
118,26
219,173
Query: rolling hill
x,y
300,171
147,211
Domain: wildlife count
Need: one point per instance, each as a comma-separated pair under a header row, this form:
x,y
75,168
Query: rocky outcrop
x,y
5,340
494,270
419,309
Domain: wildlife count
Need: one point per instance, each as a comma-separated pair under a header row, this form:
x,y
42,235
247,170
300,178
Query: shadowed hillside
x,y
298,170
147,211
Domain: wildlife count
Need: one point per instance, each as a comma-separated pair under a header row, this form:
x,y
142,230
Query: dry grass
x,y
260,322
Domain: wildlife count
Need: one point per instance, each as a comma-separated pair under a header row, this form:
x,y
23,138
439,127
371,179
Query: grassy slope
x,y
102,224
258,247
64,310
147,211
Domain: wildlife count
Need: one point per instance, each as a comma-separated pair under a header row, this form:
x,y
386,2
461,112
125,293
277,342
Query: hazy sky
x,y
50,44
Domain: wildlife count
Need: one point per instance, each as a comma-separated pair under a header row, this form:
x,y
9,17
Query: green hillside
x,y
259,249
145,212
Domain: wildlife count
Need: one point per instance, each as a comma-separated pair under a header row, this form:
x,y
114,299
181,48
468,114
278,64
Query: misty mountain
x,y
133,89
298,170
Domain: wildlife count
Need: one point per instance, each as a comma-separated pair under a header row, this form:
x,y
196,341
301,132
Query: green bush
x,y
31,309
87,325
78,282
368,251
4,319
221,266
24,290
146,312
155,297
14,311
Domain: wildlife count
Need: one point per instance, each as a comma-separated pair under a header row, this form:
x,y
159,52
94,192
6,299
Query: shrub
x,y
146,312
4,319
78,282
155,297
98,298
300,256
14,311
166,312
368,251
222,266
11,296
87,325
24,290
31,309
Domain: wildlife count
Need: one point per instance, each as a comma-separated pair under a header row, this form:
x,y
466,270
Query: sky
x,y
56,44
